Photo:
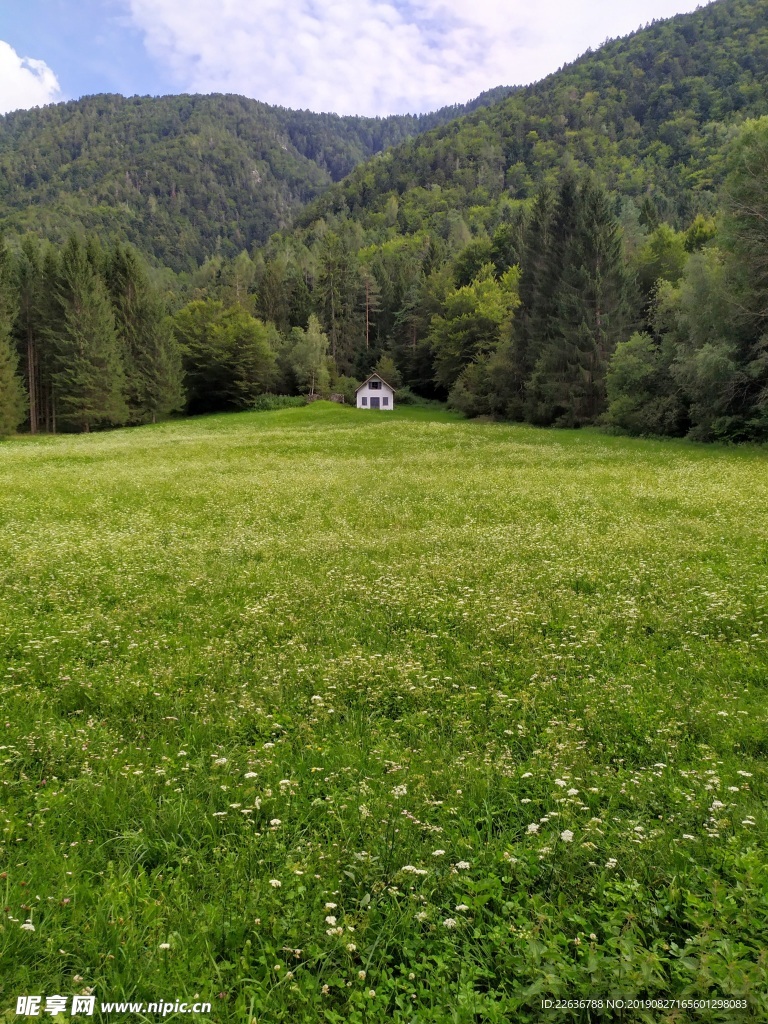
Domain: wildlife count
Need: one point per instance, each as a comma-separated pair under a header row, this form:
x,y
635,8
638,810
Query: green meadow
x,y
324,716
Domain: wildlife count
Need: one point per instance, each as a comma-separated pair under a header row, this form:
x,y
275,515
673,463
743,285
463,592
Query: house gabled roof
x,y
378,377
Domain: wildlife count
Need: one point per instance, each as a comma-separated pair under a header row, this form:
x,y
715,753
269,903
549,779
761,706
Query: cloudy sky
x,y
348,56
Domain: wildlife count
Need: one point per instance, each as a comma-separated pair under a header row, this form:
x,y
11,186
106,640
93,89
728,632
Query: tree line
x,y
85,341
574,308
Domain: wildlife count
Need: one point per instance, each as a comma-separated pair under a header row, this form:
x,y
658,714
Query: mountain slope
x,y
182,176
650,114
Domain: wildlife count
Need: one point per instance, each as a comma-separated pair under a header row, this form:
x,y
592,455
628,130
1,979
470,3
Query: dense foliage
x,y
89,340
651,115
562,256
182,177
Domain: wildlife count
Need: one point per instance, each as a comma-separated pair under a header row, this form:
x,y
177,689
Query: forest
x,y
589,250
183,177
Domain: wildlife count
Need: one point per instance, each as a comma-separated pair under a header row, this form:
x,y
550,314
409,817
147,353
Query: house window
x,y
374,385
385,400
364,400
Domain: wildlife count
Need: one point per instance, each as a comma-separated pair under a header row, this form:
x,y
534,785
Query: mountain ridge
x,y
178,167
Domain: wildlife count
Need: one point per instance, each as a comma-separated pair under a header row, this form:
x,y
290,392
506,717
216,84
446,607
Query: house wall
x,y
366,392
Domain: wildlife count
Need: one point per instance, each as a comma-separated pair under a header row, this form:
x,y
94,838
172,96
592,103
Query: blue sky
x,y
91,45
350,56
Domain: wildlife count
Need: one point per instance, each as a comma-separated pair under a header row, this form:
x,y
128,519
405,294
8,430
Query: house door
x,y
375,402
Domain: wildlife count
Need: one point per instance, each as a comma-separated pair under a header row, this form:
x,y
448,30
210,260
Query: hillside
x,y
651,114
187,177
503,261
183,177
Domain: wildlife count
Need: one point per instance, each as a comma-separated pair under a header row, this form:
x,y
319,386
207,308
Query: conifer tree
x,y
13,409
531,325
151,357
12,401
31,325
590,310
50,311
89,380
337,294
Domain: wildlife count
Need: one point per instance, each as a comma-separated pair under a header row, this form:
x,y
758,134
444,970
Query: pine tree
x,y
531,325
89,380
371,300
151,357
30,324
50,312
590,311
12,401
13,408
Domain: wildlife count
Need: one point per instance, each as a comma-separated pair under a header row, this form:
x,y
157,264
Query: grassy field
x,y
327,716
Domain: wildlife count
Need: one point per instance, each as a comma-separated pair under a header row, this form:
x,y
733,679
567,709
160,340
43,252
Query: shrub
x,y
267,402
346,386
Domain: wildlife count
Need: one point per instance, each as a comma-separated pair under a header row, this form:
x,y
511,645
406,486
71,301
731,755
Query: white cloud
x,y
24,81
377,56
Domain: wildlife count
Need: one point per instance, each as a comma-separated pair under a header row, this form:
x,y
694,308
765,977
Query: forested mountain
x,y
183,177
589,250
650,114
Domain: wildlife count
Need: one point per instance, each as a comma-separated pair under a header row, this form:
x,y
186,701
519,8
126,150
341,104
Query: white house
x,y
375,393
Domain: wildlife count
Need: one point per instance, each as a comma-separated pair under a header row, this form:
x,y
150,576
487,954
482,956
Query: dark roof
x,y
378,377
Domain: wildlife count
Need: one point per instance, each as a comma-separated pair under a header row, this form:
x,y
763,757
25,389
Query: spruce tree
x,y
89,380
31,327
531,324
13,409
590,310
151,357
12,402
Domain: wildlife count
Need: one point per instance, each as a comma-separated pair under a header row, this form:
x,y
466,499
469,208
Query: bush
x,y
266,403
346,386
404,396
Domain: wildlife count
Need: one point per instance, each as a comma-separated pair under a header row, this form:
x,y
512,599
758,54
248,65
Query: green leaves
x,y
229,355
475,319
